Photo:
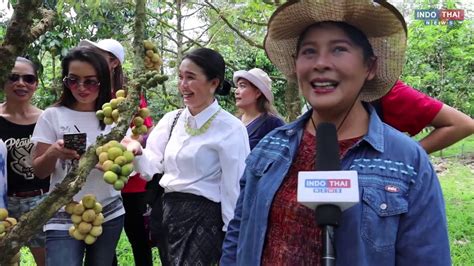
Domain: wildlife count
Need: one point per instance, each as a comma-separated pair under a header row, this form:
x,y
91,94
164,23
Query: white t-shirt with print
x,y
53,123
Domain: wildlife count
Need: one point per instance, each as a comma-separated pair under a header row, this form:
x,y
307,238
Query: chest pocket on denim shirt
x,y
383,202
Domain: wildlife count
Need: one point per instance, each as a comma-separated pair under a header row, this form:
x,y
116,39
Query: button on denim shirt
x,y
399,220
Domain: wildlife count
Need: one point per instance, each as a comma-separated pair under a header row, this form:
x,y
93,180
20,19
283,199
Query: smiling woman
x,y
86,88
201,158
18,118
342,54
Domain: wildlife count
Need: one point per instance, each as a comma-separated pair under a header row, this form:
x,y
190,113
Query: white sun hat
x,y
259,79
108,45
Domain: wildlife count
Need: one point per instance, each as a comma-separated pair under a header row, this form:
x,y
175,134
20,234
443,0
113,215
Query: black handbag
x,y
154,192
153,188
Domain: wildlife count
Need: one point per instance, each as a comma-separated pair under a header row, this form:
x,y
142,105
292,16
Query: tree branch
x,y
241,35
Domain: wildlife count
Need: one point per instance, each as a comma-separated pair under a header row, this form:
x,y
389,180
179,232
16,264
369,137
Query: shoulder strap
x,y
175,120
259,124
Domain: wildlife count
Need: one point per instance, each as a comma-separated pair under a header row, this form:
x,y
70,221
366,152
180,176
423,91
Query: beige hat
x,y
383,25
259,79
108,45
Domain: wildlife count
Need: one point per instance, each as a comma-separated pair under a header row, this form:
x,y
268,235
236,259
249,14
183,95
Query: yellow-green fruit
x,y
89,216
89,201
120,93
119,184
155,58
148,44
84,228
100,114
3,214
113,103
121,160
124,179
129,156
97,208
120,99
99,219
96,231
105,105
99,150
108,120
110,177
107,111
89,239
78,209
71,230
116,168
138,121
10,221
127,169
144,113
114,143
104,156
70,207
115,114
107,165
77,235
135,136
2,228
114,152
142,129
147,60
76,219
2,234
135,131
106,147
149,53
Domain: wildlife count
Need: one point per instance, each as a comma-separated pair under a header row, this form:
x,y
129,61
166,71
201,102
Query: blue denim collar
x,y
374,136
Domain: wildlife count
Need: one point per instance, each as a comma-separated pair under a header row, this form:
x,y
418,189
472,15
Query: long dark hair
x,y
101,67
213,66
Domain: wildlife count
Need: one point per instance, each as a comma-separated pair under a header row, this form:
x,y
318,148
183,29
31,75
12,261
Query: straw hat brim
x,y
383,25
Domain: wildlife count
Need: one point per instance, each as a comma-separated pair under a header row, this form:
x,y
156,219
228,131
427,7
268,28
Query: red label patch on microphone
x,y
392,188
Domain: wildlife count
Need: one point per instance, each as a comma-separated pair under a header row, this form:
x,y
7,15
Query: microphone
x,y
328,190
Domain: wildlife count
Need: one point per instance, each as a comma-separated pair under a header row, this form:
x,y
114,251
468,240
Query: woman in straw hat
x,y
254,98
342,54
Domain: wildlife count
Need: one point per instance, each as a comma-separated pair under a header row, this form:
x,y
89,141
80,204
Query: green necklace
x,y
198,131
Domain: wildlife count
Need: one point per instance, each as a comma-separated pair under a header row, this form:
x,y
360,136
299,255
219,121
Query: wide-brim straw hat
x,y
383,25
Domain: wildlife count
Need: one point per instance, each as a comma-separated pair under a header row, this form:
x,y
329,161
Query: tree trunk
x,y
293,103
21,32
139,28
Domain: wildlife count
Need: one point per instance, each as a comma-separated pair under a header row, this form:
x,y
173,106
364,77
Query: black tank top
x,y
19,160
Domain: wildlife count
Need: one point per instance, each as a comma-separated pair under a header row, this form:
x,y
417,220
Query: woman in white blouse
x,y
201,163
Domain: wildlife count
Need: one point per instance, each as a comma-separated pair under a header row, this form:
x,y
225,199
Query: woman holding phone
x,y
86,87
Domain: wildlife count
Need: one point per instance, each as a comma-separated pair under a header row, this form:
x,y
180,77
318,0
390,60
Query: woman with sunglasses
x,y
86,87
18,118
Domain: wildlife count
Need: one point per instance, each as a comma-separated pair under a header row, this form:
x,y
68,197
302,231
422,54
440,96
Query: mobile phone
x,y
75,141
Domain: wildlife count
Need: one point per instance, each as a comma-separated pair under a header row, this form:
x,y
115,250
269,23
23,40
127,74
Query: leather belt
x,y
28,194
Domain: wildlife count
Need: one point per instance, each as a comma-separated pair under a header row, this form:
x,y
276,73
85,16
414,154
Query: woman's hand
x,y
58,150
132,145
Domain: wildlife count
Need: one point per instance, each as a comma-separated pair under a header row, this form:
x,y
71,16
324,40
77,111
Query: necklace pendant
x,y
198,131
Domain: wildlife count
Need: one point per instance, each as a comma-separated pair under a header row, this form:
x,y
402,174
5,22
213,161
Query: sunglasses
x,y
28,79
74,83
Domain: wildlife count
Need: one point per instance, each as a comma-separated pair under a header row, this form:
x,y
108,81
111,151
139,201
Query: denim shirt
x,y
399,220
